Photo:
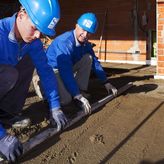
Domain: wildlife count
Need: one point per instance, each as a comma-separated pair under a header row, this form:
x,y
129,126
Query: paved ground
x,y
127,130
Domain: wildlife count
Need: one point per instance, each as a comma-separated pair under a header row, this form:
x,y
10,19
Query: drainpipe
x,y
134,50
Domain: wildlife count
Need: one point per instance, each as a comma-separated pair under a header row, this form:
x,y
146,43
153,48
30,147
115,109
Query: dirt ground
x,y
127,130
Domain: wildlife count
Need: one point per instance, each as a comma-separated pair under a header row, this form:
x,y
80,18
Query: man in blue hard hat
x,y
72,58
20,51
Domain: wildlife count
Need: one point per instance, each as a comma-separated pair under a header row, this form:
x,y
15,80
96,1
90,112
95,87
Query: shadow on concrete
x,y
98,91
36,151
118,71
149,162
143,88
120,81
131,134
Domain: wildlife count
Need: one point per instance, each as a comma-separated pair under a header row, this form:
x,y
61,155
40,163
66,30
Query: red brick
x,y
160,40
160,4
160,58
160,22
161,46
159,33
160,27
160,71
161,9
161,15
160,52
161,64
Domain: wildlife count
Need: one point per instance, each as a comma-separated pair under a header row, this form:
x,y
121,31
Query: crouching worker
x,y
72,58
20,51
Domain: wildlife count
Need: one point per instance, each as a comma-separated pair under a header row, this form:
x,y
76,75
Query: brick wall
x,y
160,38
119,35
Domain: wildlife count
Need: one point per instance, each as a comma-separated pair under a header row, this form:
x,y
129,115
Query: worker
x,y
72,58
21,50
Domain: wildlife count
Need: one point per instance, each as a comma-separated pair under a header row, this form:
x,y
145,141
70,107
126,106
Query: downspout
x,y
134,50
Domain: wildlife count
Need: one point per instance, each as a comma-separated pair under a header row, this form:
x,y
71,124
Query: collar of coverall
x,y
77,42
11,35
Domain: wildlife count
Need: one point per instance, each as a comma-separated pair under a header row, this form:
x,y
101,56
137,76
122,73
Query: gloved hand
x,y
83,103
58,118
10,148
109,87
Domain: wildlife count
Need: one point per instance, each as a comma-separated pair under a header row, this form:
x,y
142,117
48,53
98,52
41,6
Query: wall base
x,y
147,62
159,77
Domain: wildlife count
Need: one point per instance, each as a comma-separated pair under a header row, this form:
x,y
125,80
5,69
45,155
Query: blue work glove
x,y
10,148
83,103
58,118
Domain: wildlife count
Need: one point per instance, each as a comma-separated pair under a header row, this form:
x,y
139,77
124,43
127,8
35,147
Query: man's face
x,y
25,30
81,35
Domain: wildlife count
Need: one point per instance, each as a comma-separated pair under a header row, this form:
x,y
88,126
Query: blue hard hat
x,y
88,22
44,14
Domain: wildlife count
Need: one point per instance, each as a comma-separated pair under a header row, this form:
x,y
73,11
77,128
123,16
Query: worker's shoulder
x,y
66,39
68,35
6,23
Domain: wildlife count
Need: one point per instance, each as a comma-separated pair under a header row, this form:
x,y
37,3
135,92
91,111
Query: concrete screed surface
x,y
127,130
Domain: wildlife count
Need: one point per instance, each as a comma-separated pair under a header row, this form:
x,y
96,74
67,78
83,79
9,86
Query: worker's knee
x,y
87,58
